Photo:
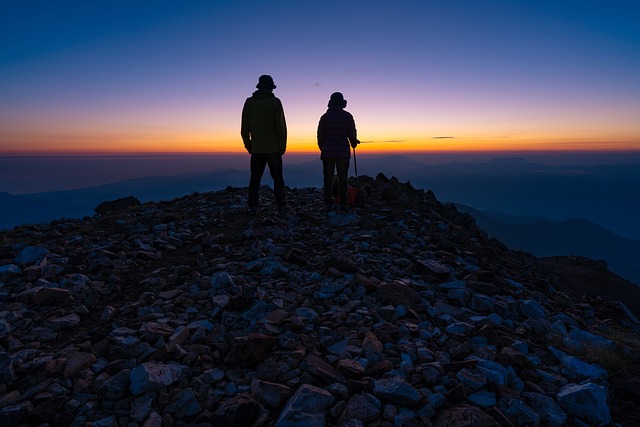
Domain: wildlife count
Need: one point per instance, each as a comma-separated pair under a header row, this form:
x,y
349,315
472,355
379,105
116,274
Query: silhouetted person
x,y
264,133
336,136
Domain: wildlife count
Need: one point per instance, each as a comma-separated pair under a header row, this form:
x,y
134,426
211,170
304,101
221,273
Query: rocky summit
x,y
399,312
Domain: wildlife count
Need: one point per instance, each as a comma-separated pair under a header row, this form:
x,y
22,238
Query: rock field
x,y
400,312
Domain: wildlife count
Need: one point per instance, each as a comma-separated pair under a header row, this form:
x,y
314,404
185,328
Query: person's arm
x,y
281,127
352,133
245,130
320,133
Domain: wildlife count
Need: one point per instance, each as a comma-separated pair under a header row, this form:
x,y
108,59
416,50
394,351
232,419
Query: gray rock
x,y
454,284
550,413
482,398
464,415
185,404
363,407
153,375
5,328
213,376
493,371
321,369
116,386
522,415
270,394
240,410
306,407
154,420
9,270
587,402
30,255
461,328
481,303
474,378
397,391
222,280
576,369
120,204
580,339
64,322
141,408
532,309
77,362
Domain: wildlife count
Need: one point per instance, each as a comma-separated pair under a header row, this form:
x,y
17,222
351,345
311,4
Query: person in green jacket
x,y
264,133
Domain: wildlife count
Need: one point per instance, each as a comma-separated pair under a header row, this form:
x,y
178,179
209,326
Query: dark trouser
x,y
342,168
258,162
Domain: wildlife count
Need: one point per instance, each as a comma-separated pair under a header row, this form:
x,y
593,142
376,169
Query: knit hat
x,y
337,100
265,82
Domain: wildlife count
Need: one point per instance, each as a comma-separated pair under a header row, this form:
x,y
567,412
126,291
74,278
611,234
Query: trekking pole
x,y
355,164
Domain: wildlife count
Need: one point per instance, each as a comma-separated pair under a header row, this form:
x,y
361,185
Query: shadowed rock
x,y
120,204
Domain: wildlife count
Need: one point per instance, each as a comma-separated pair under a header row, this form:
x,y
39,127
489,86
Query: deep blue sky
x,y
93,76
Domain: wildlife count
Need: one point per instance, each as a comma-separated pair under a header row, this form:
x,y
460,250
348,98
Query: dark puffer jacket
x,y
336,131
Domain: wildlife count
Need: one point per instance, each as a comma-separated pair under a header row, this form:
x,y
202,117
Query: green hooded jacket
x,y
264,129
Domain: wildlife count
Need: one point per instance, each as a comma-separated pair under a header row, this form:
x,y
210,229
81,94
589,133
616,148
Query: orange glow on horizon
x,y
111,143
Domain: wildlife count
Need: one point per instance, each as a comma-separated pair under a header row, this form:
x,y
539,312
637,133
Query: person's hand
x,y
354,143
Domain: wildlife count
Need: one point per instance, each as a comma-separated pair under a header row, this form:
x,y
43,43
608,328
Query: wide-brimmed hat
x,y
337,100
265,82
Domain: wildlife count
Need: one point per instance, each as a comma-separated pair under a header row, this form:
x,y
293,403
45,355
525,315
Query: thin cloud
x,y
395,141
443,137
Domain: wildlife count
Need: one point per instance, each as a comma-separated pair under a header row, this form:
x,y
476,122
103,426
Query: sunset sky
x,y
172,76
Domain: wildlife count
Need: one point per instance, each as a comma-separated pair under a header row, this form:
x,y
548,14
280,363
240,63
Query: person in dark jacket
x,y
264,133
336,136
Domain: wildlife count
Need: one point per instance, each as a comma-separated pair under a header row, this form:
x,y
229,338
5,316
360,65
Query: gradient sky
x,y
172,76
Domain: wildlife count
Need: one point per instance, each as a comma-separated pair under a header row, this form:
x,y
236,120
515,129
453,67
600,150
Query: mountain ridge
x,y
399,312
576,236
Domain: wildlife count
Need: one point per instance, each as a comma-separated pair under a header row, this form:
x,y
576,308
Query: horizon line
x,y
309,153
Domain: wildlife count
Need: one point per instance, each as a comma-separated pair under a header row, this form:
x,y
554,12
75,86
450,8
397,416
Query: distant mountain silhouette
x,y
43,207
544,237
606,195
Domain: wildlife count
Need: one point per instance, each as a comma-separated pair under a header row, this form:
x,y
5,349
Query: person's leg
x,y
275,169
258,163
328,166
342,166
